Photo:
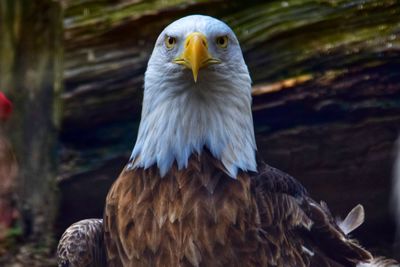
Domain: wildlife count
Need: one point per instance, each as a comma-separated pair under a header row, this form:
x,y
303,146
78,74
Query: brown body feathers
x,y
199,216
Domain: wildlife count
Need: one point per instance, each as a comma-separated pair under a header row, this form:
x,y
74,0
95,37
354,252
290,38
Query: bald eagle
x,y
193,193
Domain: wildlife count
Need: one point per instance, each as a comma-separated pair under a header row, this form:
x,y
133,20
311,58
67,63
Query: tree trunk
x,y
30,73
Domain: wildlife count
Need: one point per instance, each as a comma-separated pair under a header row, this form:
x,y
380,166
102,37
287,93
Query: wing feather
x,y
353,220
289,213
82,245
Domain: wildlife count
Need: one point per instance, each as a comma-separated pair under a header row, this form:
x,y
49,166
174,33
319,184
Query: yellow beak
x,y
195,55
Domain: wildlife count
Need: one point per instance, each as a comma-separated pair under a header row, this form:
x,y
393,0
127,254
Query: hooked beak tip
x,y
195,74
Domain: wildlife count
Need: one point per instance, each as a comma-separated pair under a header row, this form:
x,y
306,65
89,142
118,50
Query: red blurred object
x,y
8,172
5,107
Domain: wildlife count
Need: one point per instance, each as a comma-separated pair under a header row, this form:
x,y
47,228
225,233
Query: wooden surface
x,y
326,96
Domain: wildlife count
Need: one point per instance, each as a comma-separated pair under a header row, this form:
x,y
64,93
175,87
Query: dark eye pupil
x,y
221,41
170,40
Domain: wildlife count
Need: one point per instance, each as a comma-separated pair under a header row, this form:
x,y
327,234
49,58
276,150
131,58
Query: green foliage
x,y
14,232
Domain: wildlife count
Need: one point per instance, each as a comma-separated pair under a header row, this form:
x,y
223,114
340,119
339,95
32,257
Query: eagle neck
x,y
179,120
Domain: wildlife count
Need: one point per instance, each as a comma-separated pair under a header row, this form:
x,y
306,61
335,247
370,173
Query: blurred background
x,y
326,105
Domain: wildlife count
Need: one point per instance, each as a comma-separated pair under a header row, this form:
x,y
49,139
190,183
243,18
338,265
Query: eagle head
x,y
197,95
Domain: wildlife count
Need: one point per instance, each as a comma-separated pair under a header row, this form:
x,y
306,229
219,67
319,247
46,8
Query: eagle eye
x,y
222,41
170,42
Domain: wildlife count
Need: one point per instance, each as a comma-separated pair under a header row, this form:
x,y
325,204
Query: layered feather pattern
x,y
199,216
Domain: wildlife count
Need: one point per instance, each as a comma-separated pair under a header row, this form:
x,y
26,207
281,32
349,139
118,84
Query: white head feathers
x,y
181,117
